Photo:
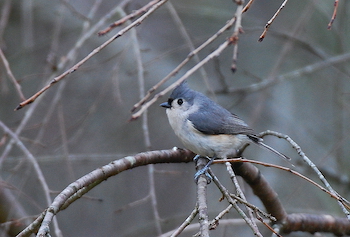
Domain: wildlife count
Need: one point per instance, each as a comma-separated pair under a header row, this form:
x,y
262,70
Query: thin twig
x,y
215,222
268,24
253,207
183,32
74,11
341,201
228,25
134,204
90,55
240,193
334,15
70,56
32,160
217,52
184,224
249,4
11,76
268,226
333,195
228,197
294,74
235,36
128,17
223,223
145,130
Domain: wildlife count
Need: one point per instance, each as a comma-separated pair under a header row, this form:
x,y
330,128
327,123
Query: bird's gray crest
x,y
183,91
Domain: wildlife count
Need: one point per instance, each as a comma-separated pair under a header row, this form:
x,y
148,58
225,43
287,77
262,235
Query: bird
x,y
208,129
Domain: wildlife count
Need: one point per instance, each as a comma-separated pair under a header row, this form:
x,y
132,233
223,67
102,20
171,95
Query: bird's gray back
x,y
213,119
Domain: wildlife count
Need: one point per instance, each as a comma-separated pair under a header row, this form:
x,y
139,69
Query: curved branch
x,y
81,186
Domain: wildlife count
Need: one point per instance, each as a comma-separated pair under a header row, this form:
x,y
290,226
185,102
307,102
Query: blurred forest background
x,y
296,81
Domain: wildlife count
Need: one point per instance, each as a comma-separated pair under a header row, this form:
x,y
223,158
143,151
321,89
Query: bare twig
x,y
215,222
294,74
70,56
87,31
177,20
74,11
188,221
233,202
250,221
184,62
268,24
145,130
273,230
217,52
32,160
335,196
249,4
134,204
90,55
11,76
235,36
223,223
341,201
128,17
334,15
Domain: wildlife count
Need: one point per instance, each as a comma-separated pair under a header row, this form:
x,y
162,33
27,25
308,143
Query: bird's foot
x,y
196,158
204,170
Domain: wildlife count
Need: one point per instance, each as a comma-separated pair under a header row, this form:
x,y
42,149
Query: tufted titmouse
x,y
206,128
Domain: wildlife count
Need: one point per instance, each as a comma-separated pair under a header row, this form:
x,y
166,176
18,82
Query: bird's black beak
x,y
166,105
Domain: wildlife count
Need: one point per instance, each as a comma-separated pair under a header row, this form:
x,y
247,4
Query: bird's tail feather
x,y
274,151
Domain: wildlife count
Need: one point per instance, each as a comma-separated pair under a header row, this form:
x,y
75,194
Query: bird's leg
x,y
204,170
198,156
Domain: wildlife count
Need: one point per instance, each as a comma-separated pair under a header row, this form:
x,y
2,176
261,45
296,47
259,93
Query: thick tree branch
x,y
78,188
261,188
316,223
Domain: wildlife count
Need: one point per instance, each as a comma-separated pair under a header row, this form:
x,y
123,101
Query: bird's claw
x,y
204,170
196,158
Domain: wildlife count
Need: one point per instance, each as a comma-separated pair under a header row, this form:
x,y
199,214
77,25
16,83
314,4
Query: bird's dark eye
x,y
180,101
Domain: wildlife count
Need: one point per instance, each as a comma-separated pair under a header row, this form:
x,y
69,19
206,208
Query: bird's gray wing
x,y
213,119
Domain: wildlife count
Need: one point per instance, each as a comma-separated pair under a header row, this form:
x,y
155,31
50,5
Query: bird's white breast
x,y
219,146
